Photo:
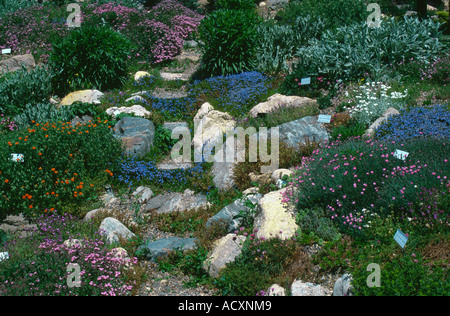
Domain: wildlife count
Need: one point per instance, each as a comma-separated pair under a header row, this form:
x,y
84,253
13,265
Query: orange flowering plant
x,y
49,165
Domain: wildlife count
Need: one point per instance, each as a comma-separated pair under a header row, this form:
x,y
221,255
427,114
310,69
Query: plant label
x,y
400,238
6,51
306,81
3,256
17,157
400,154
324,119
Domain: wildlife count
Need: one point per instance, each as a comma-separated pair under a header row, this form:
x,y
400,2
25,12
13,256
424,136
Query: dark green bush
x,y
314,221
334,13
90,58
230,42
235,4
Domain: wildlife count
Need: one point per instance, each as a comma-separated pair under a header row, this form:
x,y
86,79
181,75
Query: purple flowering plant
x,y
38,264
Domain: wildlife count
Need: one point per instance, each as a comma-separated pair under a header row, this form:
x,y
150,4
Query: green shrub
x,y
314,221
334,13
358,51
405,274
90,58
235,4
23,87
279,42
42,113
7,6
62,164
229,38
255,269
345,132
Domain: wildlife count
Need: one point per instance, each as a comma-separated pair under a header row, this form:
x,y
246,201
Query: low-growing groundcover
x,y
41,265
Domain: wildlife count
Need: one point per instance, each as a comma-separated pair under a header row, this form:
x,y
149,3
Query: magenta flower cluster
x,y
7,124
100,269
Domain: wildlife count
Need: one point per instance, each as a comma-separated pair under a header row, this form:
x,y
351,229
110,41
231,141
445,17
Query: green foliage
x,y
8,6
334,13
90,58
357,51
41,113
278,42
345,132
235,4
23,87
62,164
405,274
257,266
229,38
314,221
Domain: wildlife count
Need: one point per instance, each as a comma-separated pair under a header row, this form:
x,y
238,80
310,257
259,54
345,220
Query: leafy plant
x,y
42,113
62,164
90,58
229,38
334,14
22,87
357,51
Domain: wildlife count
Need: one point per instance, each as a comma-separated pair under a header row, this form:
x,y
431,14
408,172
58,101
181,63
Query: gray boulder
x,y
300,288
113,229
176,202
137,135
299,131
16,62
161,247
343,287
228,214
225,250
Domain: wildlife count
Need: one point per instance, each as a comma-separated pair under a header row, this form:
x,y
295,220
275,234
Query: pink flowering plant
x,y
354,179
38,264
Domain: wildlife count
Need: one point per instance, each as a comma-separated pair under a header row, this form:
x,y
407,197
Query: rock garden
x,y
224,148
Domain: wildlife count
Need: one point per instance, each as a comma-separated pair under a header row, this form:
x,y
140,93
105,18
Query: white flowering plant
x,y
372,99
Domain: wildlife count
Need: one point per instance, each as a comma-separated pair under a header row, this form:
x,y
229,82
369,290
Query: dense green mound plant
x,y
23,87
235,4
229,38
90,58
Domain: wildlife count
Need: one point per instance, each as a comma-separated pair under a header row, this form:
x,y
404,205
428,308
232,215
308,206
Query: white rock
x,y
279,100
140,74
113,229
85,96
225,250
276,290
280,173
275,218
300,288
137,110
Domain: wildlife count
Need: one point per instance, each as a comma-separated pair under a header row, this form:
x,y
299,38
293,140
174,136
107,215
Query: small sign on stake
x,y
6,51
17,157
3,256
400,238
400,154
324,119
305,81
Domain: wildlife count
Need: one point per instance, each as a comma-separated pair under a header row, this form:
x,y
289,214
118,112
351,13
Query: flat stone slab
x,y
176,202
229,213
298,131
161,247
15,63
